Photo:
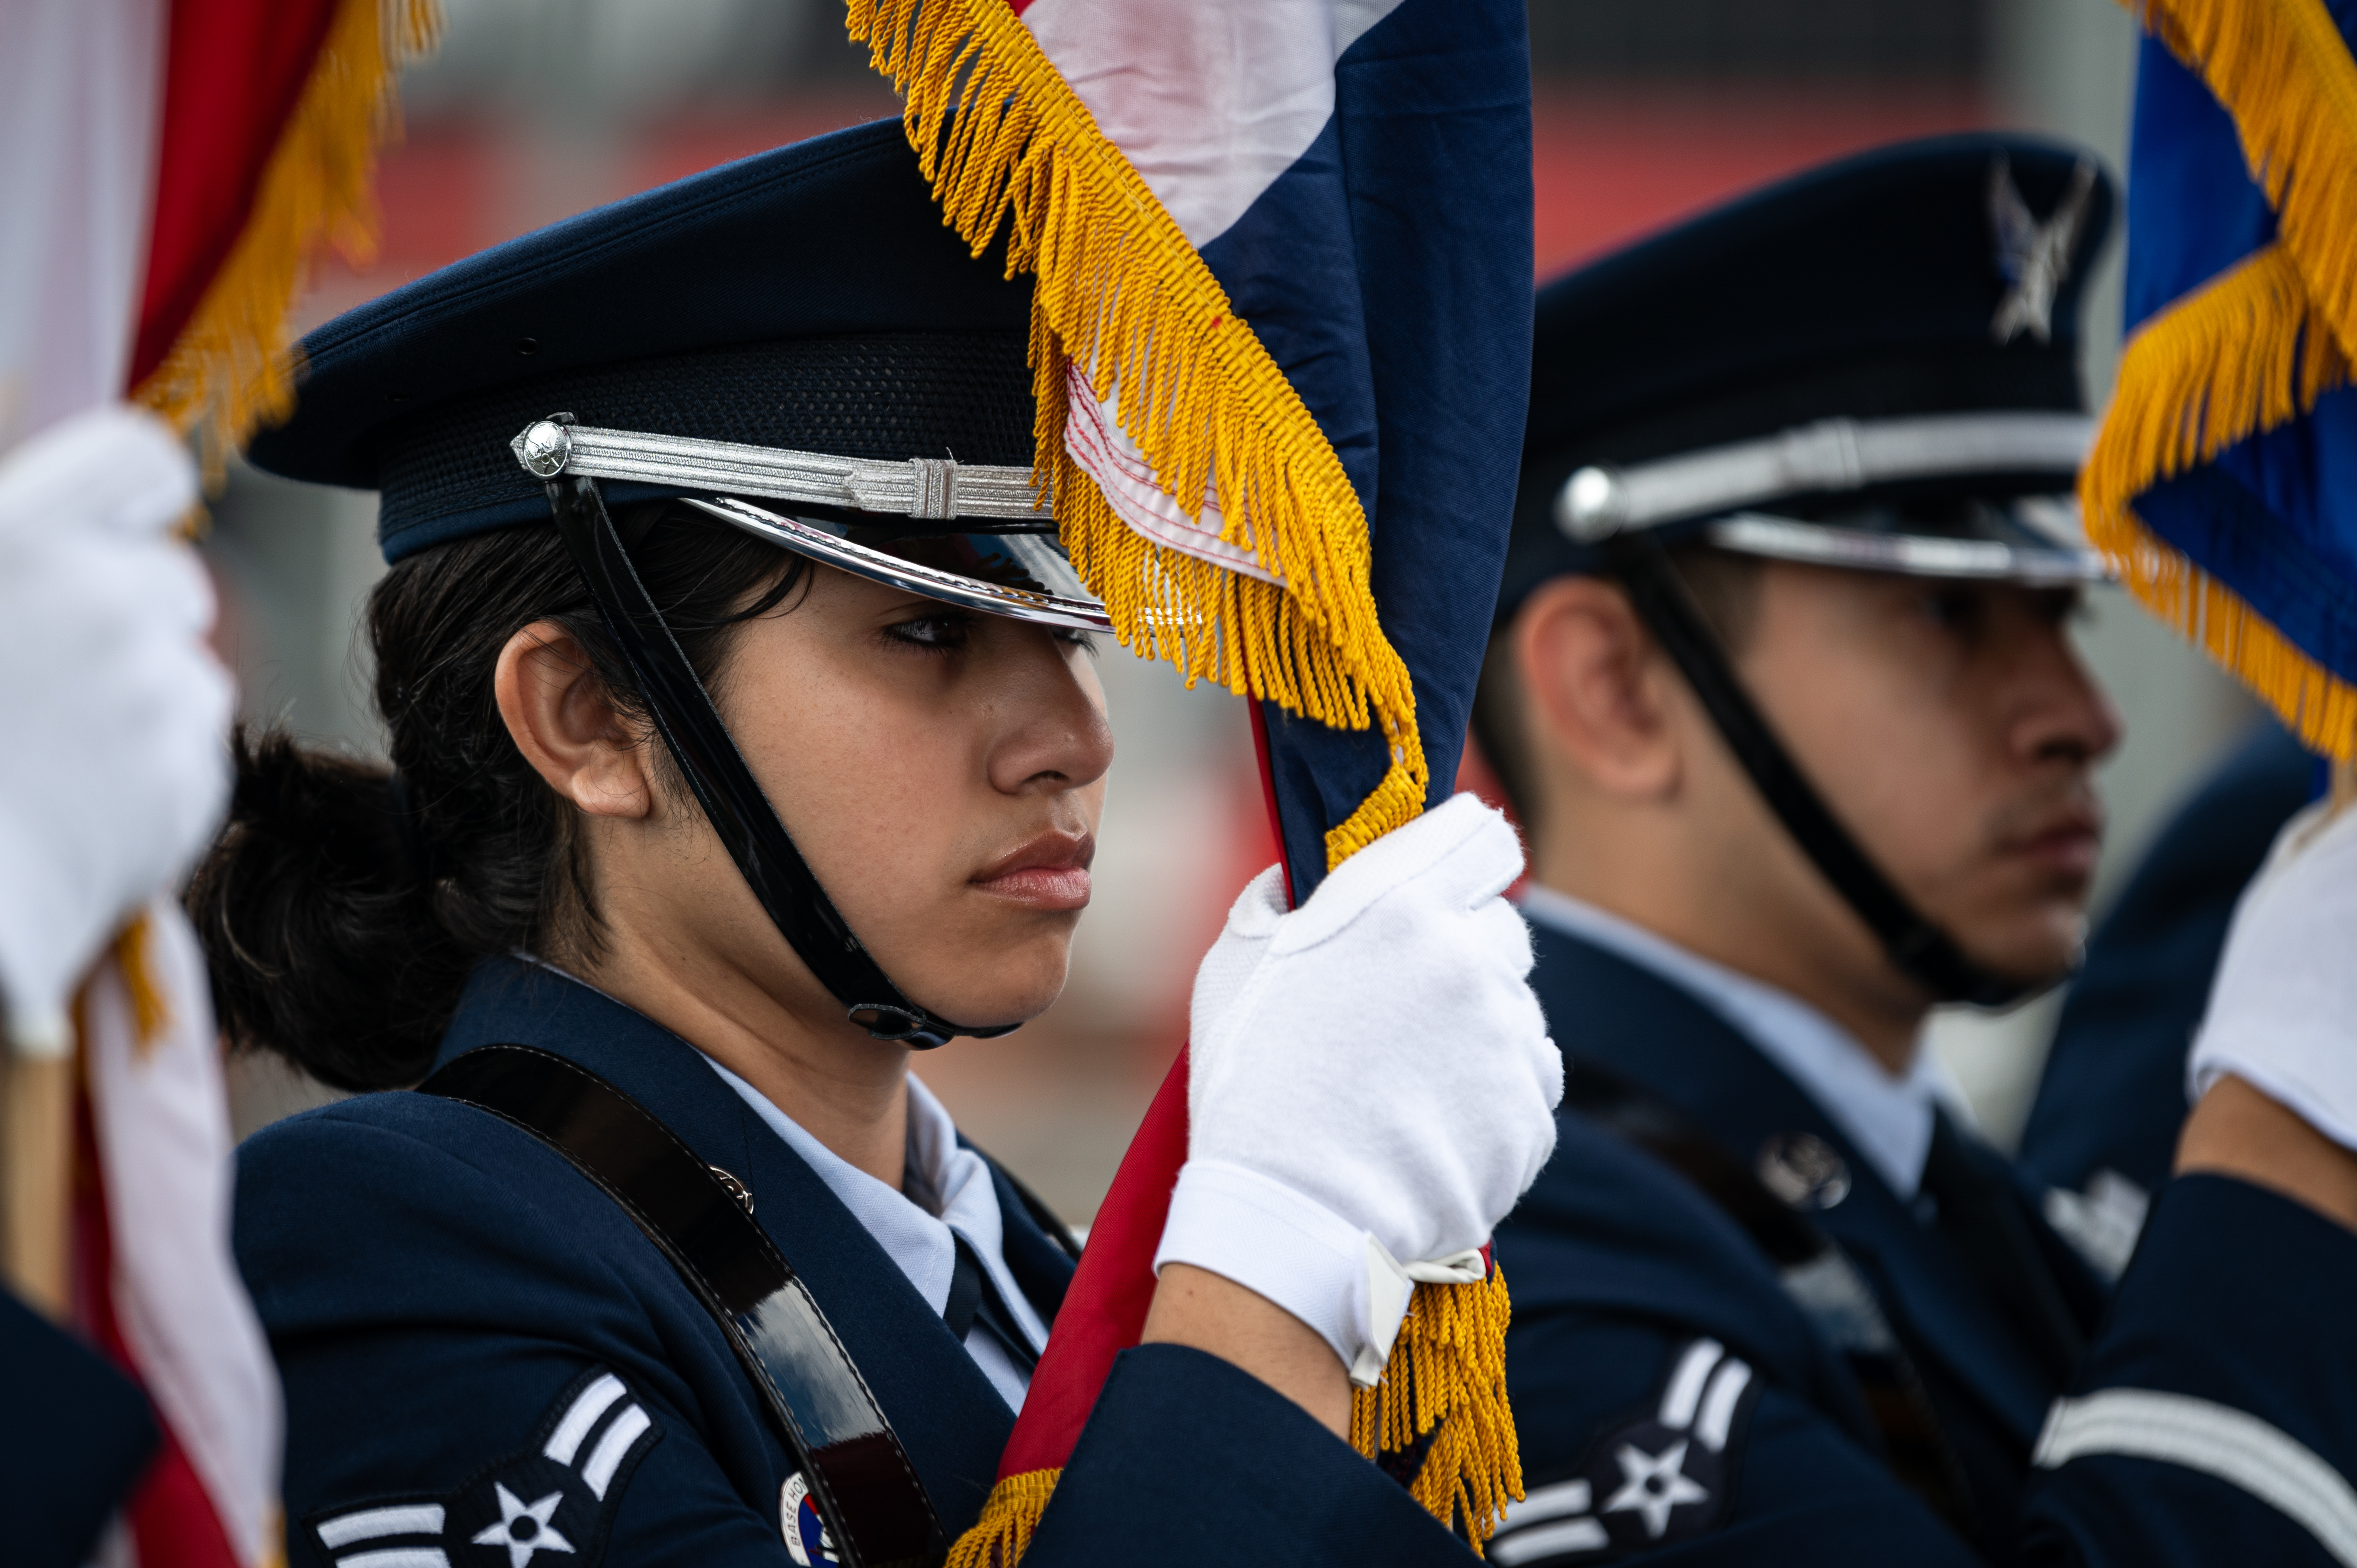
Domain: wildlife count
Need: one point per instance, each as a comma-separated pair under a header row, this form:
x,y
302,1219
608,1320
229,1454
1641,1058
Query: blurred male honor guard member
x,y
1783,691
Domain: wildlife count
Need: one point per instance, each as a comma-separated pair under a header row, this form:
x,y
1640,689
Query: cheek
x,y
858,766
1893,756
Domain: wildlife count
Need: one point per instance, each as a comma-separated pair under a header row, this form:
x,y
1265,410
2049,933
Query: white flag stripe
x,y
1727,1386
1093,437
588,1406
397,1557
2217,1439
1528,1545
1685,1392
1211,101
400,1518
1545,1503
163,1148
606,1458
79,86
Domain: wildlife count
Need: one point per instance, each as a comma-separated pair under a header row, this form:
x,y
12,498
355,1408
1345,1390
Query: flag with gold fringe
x,y
168,169
2224,482
1281,345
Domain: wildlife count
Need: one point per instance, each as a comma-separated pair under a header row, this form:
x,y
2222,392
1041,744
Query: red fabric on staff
x,y
1104,1308
171,1516
233,71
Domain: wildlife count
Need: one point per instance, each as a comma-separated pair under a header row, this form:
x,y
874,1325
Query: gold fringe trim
x,y
1003,1534
1447,1371
2283,71
151,1010
2247,352
1008,144
233,369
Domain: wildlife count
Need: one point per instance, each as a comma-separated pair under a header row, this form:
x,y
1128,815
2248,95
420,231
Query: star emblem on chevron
x,y
1661,1475
523,1527
1655,1485
549,1505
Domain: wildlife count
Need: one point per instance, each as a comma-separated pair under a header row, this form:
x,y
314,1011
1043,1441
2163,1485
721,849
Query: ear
x,y
558,713
1597,698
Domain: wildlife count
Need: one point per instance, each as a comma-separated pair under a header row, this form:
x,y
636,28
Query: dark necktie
x,y
974,1302
1982,1218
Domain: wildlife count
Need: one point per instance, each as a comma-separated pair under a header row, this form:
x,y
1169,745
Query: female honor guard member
x,y
747,740
1785,692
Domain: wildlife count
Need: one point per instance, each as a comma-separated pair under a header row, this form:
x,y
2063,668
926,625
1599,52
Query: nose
x,y
1054,735
2060,712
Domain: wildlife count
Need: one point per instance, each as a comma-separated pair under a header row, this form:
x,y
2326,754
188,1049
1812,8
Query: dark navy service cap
x,y
807,301
1873,364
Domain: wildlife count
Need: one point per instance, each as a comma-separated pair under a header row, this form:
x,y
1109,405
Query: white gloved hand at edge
x,y
113,772
1370,1085
2283,1010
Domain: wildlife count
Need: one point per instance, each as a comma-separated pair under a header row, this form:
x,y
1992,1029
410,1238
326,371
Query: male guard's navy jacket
x,y
1673,1400
482,1353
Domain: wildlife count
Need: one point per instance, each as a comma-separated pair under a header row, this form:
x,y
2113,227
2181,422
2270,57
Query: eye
x,y
1086,641
1957,609
936,631
2061,607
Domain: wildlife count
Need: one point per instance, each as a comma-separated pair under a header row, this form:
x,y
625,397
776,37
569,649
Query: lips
x,y
2068,843
1048,872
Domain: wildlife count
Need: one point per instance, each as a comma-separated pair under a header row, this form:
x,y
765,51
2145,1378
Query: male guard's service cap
x,y
794,341
1873,364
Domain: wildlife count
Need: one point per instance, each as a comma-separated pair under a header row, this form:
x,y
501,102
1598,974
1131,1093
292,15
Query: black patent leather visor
x,y
2034,540
1021,574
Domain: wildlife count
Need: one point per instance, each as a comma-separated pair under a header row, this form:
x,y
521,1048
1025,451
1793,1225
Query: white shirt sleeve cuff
x,y
1298,1253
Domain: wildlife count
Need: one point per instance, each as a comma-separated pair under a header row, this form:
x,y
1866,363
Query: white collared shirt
x,y
918,1237
1887,1119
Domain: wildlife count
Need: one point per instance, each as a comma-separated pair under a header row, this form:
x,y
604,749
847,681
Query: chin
x,y
1022,987
2038,949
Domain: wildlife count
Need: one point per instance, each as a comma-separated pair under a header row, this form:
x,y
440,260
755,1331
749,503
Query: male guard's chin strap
x,y
1921,950
691,726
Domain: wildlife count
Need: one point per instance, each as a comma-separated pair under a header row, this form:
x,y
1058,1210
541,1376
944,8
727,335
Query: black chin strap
x,y
1921,950
692,727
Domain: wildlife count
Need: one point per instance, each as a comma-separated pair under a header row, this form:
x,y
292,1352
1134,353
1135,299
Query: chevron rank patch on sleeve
x,y
550,1504
1659,1476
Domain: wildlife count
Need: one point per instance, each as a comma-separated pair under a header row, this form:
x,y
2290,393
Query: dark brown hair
x,y
341,908
1726,587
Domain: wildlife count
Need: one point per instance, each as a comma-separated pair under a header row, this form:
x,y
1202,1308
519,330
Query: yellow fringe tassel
x,y
2247,352
1447,1372
2283,72
1007,143
151,1010
1003,1534
232,368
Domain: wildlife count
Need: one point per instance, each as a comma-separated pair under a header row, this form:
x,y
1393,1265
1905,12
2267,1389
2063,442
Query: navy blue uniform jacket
x,y
81,1437
1675,1402
481,1351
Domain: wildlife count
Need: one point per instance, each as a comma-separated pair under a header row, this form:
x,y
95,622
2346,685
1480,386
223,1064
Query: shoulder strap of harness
x,y
1816,1273
701,1218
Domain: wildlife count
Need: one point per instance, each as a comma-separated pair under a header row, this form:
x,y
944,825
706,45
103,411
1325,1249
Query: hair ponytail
x,y
341,912
312,865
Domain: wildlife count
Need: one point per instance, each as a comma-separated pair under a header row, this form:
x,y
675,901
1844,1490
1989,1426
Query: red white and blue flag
x,y
1281,343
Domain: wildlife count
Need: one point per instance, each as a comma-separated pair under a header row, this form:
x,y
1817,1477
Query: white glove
x,y
113,770
2283,1011
1370,1079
